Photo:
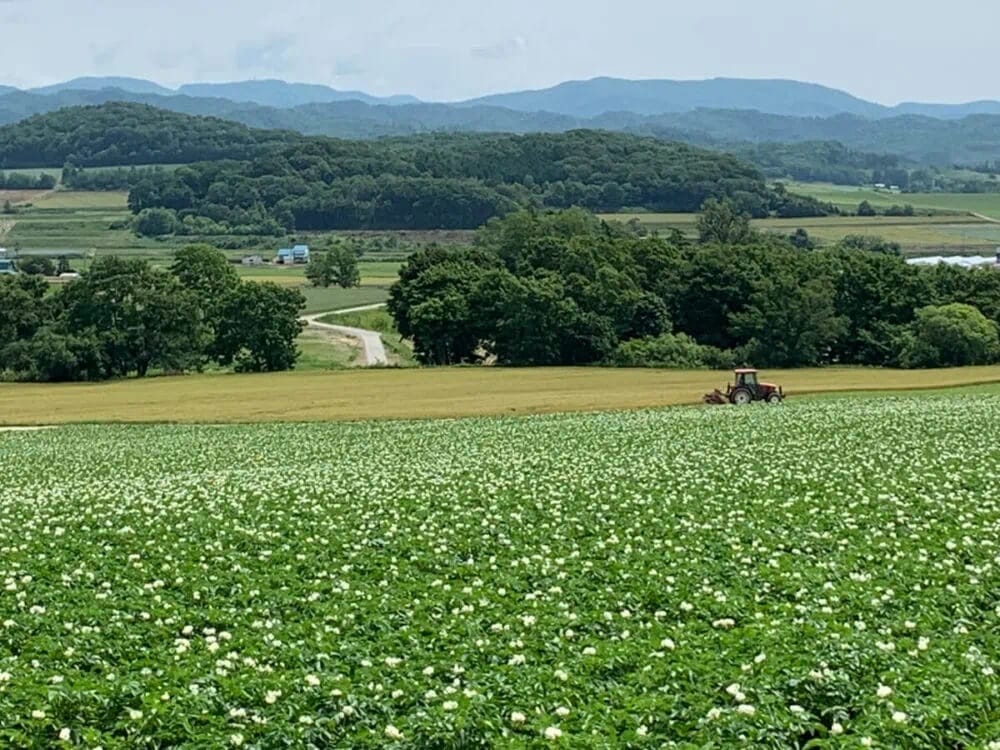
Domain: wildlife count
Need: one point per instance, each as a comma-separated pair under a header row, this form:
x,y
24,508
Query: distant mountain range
x,y
271,93
714,113
776,97
603,95
579,99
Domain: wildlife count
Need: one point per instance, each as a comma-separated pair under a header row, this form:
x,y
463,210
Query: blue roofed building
x,y
293,255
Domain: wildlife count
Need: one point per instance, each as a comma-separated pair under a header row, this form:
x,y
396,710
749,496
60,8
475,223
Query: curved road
x,y
371,341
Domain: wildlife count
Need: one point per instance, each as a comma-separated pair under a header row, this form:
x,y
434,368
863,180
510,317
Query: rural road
x,y
371,341
984,217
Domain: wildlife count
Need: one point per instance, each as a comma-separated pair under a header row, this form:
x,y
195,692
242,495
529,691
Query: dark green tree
x,y
258,326
53,356
23,308
37,265
319,270
337,265
790,319
156,222
141,317
344,261
205,271
431,303
952,335
800,238
721,222
869,244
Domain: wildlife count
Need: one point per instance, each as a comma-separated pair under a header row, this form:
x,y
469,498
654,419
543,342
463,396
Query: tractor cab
x,y
747,379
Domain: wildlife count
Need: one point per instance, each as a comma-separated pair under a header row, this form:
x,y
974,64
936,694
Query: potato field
x,y
823,574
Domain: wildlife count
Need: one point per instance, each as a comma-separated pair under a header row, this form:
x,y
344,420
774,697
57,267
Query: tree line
x,y
824,161
125,317
565,288
75,177
24,181
453,182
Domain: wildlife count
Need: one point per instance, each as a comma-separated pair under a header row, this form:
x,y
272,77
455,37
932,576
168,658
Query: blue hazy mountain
x,y
656,97
275,93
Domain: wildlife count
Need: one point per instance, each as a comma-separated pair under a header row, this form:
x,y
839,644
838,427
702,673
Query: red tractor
x,y
745,389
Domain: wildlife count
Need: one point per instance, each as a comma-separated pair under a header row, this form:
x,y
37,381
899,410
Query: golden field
x,y
421,393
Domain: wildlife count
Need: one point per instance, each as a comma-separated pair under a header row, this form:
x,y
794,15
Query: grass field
x,y
420,393
917,235
335,298
987,204
373,273
820,575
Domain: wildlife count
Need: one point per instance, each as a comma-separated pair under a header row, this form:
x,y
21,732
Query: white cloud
x,y
448,49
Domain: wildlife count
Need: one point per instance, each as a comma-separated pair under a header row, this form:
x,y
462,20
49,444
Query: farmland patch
x,y
720,577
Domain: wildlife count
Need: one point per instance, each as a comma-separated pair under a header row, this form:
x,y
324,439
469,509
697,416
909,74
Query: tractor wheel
x,y
741,397
774,398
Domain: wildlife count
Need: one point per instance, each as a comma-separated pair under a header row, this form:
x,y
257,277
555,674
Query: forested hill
x,y
923,139
123,133
449,181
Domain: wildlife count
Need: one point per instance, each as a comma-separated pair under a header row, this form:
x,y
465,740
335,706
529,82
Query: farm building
x,y
291,255
6,264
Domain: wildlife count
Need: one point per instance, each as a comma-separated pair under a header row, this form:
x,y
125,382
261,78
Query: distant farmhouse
x,y
6,264
288,256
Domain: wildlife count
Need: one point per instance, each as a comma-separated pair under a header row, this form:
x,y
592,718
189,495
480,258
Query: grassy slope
x,y
428,393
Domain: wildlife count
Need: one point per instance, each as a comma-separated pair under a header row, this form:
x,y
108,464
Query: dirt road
x,y
373,350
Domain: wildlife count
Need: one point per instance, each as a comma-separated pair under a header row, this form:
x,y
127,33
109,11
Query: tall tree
x,y
344,261
721,222
337,265
259,324
790,319
206,271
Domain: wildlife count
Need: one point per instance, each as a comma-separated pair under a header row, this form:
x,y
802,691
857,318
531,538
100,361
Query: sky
x,y
440,50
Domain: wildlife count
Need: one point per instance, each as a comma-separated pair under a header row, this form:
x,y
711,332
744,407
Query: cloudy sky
x,y
885,50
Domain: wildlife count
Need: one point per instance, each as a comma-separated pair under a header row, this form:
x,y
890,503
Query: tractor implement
x,y
745,389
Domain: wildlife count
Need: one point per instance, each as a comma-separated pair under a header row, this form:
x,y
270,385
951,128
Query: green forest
x,y
566,289
448,182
